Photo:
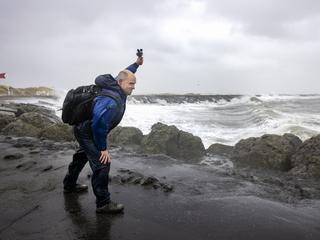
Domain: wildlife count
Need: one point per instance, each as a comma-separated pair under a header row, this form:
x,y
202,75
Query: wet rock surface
x,y
306,161
13,156
173,142
37,119
127,176
21,108
267,152
282,186
124,136
5,119
19,128
33,121
158,192
220,149
58,132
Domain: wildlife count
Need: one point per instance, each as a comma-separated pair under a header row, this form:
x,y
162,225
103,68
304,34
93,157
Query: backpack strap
x,y
111,94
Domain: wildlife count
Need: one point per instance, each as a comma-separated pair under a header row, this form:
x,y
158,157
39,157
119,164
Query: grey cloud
x,y
67,43
266,17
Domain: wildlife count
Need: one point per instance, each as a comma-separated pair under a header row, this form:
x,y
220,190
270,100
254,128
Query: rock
x,y
167,187
149,181
160,139
13,156
21,129
31,119
20,108
36,119
26,165
26,142
35,151
5,119
24,108
188,146
220,149
124,136
173,142
58,132
274,181
130,177
306,161
47,168
269,151
7,110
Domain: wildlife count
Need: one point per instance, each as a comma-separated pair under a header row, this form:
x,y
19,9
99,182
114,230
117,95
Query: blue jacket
x,y
107,112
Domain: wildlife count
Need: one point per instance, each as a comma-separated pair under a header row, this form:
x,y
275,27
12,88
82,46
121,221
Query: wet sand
x,y
205,204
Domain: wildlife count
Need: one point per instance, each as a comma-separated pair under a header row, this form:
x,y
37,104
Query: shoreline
x,y
6,97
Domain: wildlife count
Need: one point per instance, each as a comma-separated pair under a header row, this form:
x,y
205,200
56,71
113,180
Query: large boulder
x,y
169,140
219,149
125,136
269,151
34,121
24,108
5,119
37,119
21,129
59,132
306,161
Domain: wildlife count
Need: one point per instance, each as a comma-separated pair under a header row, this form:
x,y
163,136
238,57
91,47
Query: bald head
x,y
125,74
126,80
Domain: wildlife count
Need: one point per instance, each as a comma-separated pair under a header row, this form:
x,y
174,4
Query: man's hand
x,y
105,157
139,61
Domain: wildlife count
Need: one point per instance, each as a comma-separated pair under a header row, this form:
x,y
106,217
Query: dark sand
x,y
205,204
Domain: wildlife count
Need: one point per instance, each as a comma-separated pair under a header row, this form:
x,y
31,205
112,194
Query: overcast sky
x,y
209,46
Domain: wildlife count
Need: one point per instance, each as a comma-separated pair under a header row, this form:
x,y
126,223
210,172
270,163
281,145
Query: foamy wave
x,y
219,118
271,97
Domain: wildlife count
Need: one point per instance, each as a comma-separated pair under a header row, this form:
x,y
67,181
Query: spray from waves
x,y
164,99
286,97
229,120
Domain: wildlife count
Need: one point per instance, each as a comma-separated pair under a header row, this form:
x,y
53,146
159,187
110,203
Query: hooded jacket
x,y
108,111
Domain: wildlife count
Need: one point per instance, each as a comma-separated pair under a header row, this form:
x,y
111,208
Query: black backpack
x,y
78,103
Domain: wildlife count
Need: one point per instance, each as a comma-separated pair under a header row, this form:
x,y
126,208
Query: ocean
x,y
222,119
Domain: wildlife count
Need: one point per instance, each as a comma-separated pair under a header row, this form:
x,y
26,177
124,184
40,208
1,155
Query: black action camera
x,y
139,52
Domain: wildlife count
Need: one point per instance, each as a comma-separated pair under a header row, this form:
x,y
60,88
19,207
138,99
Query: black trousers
x,y
88,152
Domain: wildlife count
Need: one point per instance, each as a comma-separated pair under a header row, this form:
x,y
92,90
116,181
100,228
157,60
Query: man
x,y
92,137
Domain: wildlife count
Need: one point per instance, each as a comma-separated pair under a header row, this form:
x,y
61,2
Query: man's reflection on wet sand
x,y
88,225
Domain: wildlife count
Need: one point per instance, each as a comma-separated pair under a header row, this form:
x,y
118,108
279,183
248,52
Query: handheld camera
x,y
139,52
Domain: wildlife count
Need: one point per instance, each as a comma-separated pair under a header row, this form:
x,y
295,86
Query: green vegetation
x,y
27,92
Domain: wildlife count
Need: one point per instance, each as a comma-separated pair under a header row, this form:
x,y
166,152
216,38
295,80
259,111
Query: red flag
x,y
3,75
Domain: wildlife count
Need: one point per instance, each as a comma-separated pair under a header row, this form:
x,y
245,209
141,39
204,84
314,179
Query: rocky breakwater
x,y
28,120
162,139
268,151
284,166
286,153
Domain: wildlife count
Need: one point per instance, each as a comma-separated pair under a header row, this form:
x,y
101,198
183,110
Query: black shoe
x,y
111,207
76,189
